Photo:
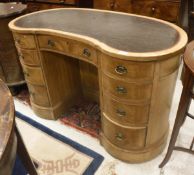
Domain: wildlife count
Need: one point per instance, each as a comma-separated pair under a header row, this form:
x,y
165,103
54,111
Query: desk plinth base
x,y
50,113
133,156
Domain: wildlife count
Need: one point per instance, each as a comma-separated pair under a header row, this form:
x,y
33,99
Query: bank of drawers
x,y
163,9
72,48
30,61
127,88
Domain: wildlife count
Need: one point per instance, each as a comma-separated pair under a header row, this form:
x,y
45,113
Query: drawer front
x,y
29,57
24,41
72,48
84,52
104,4
53,43
123,5
127,91
73,2
38,95
126,138
125,114
157,9
127,69
33,75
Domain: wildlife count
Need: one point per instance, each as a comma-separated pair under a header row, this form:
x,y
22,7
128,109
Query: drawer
x,y
73,2
33,75
104,4
83,51
29,57
157,9
125,114
38,95
127,69
126,91
123,137
53,43
123,5
24,41
69,47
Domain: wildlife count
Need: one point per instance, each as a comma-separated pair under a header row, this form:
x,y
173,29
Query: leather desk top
x,y
124,34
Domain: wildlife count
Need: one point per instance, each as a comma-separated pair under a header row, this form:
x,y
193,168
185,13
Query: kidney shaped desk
x,y
126,62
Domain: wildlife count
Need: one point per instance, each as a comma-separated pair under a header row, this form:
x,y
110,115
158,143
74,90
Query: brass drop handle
x,y
121,69
153,9
31,93
119,136
86,53
62,1
26,74
21,56
51,43
121,90
17,41
120,113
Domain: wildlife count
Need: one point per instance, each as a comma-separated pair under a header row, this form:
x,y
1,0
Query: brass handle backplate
x,y
121,69
121,90
119,136
17,41
26,74
21,56
86,53
31,93
120,113
51,43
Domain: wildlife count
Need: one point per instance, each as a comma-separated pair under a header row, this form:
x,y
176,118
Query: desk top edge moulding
x,y
145,55
127,63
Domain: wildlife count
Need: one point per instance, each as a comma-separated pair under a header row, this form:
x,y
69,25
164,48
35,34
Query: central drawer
x,y
123,137
72,48
125,90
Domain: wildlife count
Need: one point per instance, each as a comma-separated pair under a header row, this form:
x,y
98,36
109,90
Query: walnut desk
x,y
126,62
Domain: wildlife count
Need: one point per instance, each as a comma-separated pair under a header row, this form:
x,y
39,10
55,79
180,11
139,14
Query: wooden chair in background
x,y
184,104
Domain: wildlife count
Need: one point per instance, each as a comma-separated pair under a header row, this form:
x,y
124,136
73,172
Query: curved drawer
x,y
125,114
24,41
29,57
33,75
38,95
123,137
70,47
127,91
127,69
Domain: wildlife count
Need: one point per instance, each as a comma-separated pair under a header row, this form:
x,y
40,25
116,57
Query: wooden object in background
x,y
10,139
10,68
184,104
131,69
36,5
166,9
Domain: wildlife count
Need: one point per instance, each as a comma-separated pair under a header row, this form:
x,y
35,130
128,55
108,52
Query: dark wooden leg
x,y
181,113
24,156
